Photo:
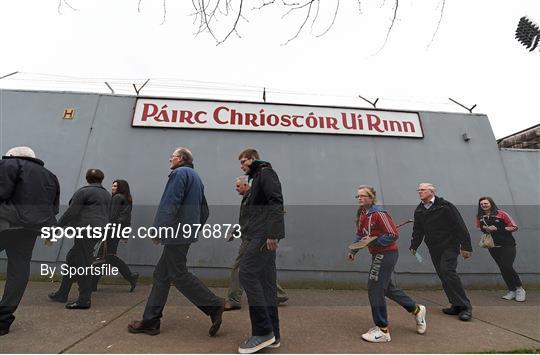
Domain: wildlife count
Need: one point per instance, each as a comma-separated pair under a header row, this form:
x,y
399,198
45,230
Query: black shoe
x,y
56,297
138,326
465,315
453,310
133,281
4,331
216,318
78,305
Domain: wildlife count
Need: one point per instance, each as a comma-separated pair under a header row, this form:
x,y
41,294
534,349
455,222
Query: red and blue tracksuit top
x,y
376,222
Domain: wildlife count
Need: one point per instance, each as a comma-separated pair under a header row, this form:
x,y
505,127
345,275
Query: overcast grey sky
x,y
473,57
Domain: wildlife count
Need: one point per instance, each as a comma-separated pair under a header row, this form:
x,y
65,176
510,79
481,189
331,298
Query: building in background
x,y
319,157
528,138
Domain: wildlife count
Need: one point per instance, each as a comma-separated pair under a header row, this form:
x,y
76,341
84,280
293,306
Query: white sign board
x,y
274,118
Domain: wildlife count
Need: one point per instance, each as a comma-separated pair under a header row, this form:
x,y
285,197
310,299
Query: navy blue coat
x,y
181,204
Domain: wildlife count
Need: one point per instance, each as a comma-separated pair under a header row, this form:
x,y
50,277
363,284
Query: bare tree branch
x,y
315,17
164,12
390,27
60,2
263,5
205,23
233,29
333,21
290,3
69,5
438,23
208,12
309,4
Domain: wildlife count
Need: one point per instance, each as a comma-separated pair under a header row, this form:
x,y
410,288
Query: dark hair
x,y
249,153
122,187
493,209
94,176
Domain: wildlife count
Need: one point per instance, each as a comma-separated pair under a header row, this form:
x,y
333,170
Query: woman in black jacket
x,y
120,213
490,219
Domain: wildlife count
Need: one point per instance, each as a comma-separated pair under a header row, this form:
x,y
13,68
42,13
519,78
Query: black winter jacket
x,y
120,210
29,193
243,217
441,225
89,206
264,204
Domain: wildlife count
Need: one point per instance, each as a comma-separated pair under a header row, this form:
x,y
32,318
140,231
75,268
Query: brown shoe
x,y
216,318
230,306
137,326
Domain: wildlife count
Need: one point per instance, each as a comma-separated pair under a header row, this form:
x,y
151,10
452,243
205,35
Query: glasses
x,y
174,156
358,196
422,190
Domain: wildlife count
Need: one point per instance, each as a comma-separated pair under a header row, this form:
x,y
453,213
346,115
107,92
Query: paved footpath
x,y
313,321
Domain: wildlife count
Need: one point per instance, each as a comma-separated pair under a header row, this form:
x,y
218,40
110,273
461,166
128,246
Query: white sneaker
x,y
509,296
375,335
420,317
520,294
276,344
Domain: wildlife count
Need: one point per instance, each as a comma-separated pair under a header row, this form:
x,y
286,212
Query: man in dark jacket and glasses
x,y
439,223
265,227
29,200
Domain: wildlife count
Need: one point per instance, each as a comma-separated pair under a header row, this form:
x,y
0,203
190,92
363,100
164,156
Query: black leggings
x,y
504,257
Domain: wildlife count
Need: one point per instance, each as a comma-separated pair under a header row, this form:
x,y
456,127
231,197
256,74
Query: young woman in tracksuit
x,y
374,221
490,219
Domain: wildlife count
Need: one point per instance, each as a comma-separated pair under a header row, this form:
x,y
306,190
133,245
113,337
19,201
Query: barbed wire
x,y
176,87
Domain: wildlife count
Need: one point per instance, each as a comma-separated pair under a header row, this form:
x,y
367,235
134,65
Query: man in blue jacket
x,y
182,203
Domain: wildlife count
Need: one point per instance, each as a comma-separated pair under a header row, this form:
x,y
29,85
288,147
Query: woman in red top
x,y
374,221
490,219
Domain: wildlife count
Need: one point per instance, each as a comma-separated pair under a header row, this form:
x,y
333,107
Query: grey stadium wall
x,y
319,175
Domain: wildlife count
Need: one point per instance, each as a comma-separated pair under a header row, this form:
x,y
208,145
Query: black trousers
x,y
18,245
113,260
445,263
258,278
81,254
504,257
171,269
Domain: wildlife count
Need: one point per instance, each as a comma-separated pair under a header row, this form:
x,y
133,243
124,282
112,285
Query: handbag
x,y
486,241
97,259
